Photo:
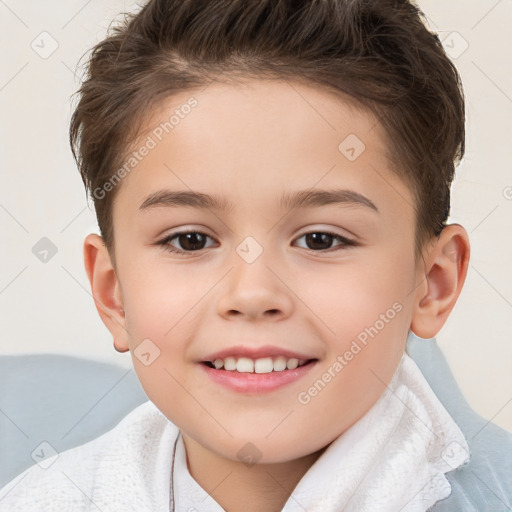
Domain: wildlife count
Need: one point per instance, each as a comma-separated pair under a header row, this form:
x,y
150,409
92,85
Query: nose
x,y
256,291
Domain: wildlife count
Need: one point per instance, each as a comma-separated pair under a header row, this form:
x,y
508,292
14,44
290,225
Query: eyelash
x,y
345,242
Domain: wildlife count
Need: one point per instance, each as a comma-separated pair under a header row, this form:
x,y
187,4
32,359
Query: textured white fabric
x,y
125,469
394,458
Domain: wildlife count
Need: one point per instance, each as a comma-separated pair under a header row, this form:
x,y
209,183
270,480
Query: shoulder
x,y
485,482
73,477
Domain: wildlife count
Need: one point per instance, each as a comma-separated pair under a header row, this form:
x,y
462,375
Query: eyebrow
x,y
290,200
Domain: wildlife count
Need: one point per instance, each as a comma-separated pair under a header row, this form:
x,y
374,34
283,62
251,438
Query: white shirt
x,y
394,458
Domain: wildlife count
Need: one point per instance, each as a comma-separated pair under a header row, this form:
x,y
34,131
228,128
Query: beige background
x,y
47,307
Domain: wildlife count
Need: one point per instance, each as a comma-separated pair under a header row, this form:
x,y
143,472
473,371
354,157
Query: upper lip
x,y
255,353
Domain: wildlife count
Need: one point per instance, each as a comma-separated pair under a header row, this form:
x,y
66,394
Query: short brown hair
x,y
379,52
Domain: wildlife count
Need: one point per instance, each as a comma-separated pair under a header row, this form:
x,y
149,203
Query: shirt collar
x,y
394,458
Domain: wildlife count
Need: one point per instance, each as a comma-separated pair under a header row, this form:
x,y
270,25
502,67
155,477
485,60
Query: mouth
x,y
254,377
258,366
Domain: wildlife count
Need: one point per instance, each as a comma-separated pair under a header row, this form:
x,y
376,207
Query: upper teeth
x,y
263,365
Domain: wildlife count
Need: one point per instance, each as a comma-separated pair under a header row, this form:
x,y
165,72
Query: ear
x,y
106,290
442,272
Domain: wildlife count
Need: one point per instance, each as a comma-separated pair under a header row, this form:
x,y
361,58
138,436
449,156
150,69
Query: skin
x,y
251,142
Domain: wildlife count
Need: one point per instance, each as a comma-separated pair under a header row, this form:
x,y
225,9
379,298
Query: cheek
x,y
159,314
366,308
351,297
158,301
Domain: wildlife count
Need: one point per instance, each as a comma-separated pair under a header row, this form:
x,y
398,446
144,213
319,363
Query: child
x,y
271,181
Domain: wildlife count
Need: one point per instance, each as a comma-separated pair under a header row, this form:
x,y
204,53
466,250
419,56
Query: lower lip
x,y
256,382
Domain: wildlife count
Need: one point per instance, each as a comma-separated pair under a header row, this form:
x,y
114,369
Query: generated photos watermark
x,y
342,360
149,144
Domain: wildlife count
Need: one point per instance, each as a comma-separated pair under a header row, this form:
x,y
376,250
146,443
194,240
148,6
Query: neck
x,y
240,487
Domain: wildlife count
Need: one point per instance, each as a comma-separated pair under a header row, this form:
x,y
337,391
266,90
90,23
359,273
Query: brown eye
x,y
190,241
323,241
319,241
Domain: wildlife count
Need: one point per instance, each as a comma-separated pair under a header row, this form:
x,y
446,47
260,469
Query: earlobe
x,y
106,290
444,273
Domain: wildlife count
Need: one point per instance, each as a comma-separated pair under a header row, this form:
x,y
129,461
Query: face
x,y
328,278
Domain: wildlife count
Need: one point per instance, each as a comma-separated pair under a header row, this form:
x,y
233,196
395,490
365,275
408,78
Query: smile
x,y
248,381
261,365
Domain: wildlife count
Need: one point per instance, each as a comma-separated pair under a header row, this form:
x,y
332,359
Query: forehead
x,y
278,113
259,138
